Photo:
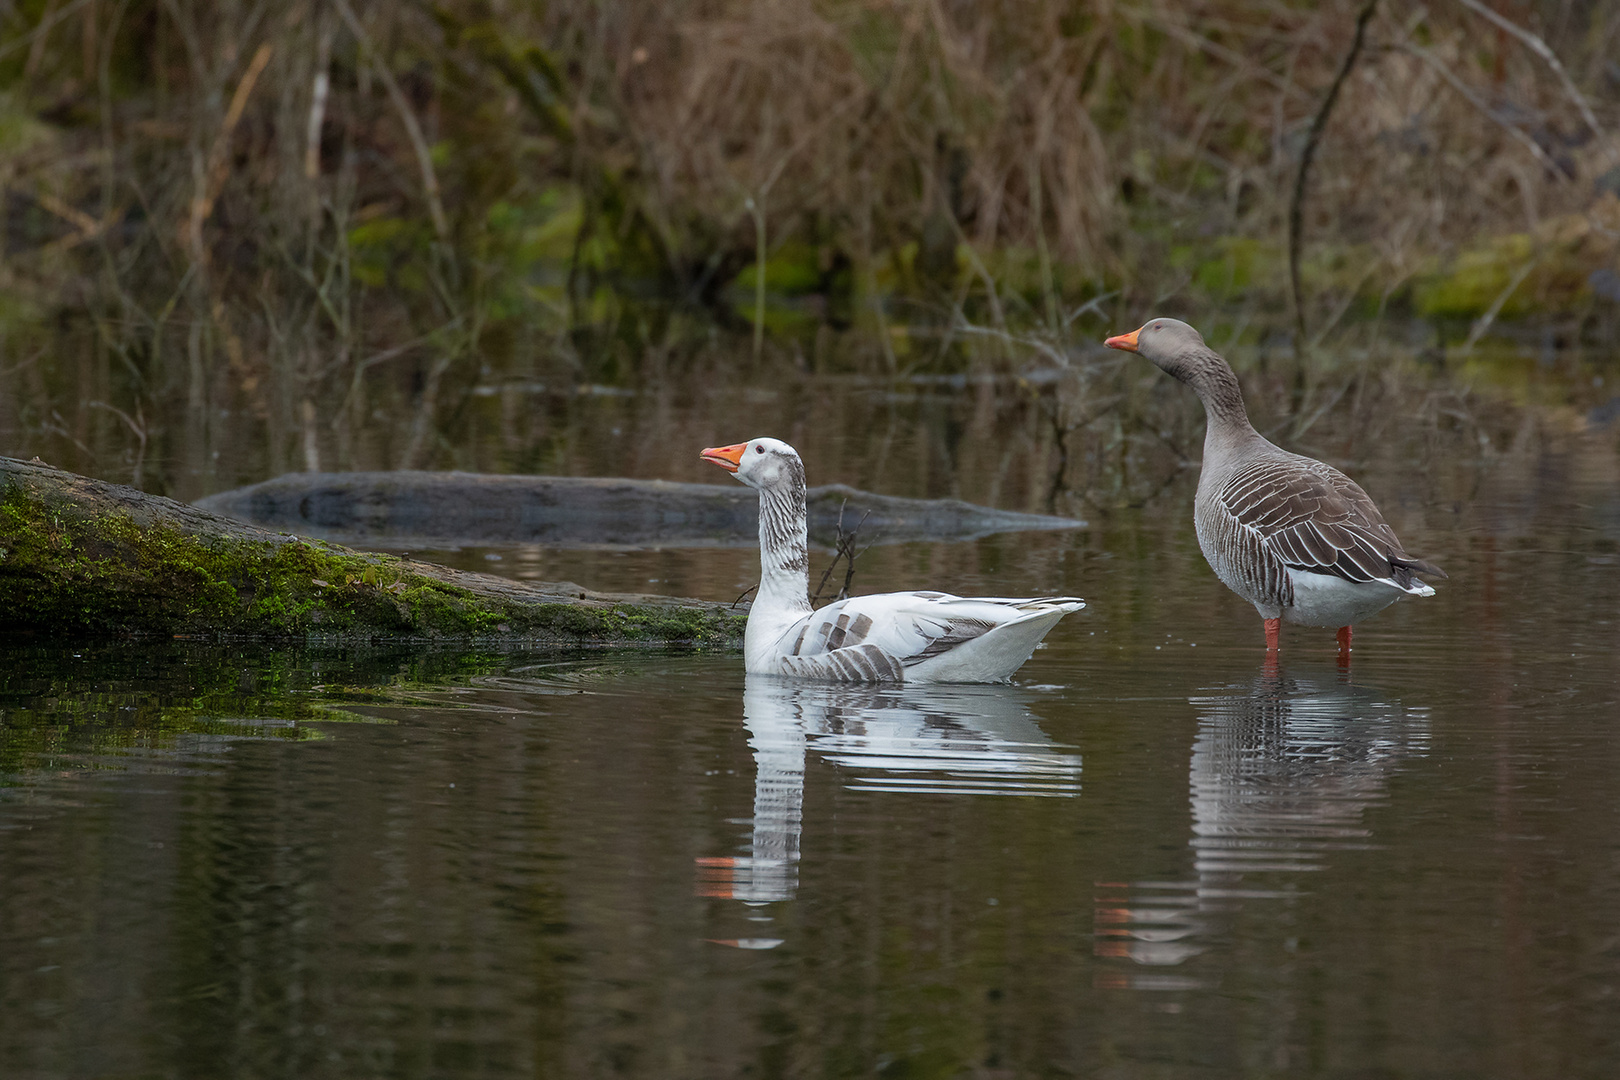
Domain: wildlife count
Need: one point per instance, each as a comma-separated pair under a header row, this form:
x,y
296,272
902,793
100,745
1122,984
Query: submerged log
x,y
81,556
453,509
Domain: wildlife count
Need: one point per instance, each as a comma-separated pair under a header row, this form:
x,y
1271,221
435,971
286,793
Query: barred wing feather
x,y
1306,515
878,637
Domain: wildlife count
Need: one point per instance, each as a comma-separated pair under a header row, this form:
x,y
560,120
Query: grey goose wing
x,y
1309,516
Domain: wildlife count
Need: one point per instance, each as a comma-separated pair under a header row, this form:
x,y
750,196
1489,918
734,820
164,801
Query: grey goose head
x,y
1179,351
1176,348
769,465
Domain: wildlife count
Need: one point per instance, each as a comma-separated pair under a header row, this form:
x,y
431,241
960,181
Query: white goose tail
x,y
999,652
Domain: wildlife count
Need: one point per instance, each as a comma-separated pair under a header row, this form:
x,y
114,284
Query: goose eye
x,y
759,449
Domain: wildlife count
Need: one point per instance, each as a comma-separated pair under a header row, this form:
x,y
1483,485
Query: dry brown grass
x,y
313,214
1100,137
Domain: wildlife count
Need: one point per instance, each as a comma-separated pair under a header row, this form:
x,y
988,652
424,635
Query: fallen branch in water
x,y
845,551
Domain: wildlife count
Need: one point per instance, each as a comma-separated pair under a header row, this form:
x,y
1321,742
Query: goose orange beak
x,y
1124,341
727,457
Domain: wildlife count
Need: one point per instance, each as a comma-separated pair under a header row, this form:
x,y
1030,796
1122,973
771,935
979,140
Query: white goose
x,y
888,637
1294,536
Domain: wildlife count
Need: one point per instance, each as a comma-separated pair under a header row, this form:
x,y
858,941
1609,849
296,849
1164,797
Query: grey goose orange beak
x,y
727,457
1124,341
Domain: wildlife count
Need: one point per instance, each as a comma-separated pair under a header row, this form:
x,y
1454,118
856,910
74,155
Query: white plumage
x,y
888,637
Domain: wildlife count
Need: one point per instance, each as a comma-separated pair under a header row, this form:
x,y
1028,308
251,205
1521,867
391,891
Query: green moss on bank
x,y
65,570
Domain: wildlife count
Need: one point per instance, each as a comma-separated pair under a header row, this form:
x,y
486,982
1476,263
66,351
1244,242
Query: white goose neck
x,y
784,559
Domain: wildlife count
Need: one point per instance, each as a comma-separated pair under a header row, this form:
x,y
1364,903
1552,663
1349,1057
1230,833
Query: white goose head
x,y
773,468
769,465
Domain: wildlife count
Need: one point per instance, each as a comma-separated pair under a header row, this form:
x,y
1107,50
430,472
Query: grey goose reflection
x,y
885,637
934,740
1294,536
1281,776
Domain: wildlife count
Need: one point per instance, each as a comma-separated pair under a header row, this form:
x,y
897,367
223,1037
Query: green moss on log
x,y
65,569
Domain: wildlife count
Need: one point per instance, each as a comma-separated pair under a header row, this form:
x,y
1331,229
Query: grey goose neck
x,y
1213,380
1180,352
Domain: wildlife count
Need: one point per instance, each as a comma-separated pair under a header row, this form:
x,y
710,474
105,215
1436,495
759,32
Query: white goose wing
x,y
879,637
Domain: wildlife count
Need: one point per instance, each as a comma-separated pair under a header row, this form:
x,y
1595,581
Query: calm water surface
x,y
1152,856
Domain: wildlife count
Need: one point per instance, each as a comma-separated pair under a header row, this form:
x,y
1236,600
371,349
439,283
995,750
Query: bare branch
x,y
1477,102
845,550
1483,323
413,129
1296,204
1187,36
1543,50
207,193
319,90
46,22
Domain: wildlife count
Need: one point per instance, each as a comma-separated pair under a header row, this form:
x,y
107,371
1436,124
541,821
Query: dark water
x,y
1151,856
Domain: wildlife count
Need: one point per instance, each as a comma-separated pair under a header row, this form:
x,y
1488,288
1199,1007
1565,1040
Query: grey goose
x,y
1294,536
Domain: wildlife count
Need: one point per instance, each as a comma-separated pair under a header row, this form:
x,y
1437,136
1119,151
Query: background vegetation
x,y
326,227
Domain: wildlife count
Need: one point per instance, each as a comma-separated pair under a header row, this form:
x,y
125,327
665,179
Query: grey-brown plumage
x,y
1292,535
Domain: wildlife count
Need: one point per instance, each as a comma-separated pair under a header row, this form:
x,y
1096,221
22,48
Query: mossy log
x,y
81,557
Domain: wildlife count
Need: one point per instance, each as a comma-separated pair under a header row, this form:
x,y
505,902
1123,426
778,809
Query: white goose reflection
x,y
1281,776
933,739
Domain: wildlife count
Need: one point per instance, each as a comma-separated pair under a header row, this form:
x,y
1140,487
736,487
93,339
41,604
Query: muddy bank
x,y
84,557
451,509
